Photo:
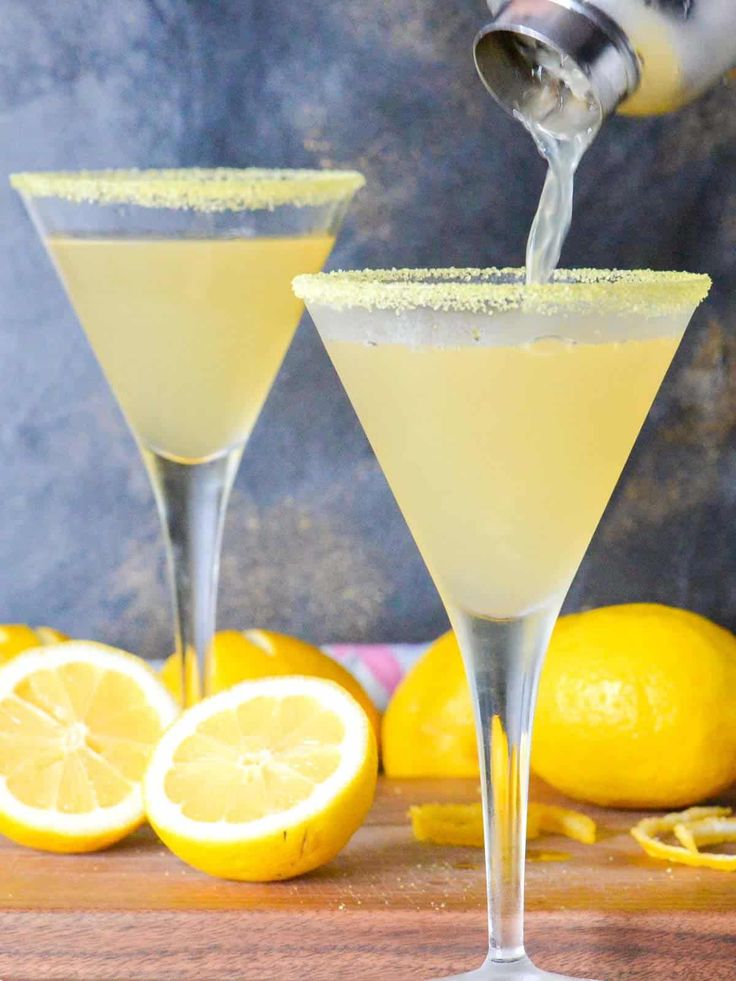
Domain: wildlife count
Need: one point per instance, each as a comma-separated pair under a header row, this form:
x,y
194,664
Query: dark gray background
x,y
314,543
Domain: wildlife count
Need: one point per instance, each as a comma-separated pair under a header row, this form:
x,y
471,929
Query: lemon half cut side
x,y
264,781
78,722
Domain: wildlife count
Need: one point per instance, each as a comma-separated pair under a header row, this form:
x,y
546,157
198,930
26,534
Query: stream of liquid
x,y
554,212
563,120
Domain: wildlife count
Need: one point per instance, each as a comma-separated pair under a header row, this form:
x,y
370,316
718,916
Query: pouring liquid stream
x,y
563,121
554,212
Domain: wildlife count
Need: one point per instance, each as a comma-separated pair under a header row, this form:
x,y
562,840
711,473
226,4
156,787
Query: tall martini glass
x,y
182,282
502,415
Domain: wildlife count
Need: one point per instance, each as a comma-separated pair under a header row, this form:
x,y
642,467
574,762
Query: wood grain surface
x,y
387,908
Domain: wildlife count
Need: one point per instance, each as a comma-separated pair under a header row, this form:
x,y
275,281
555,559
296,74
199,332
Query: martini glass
x,y
182,282
502,415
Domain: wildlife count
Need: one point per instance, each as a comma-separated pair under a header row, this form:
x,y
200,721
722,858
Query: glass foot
x,y
521,970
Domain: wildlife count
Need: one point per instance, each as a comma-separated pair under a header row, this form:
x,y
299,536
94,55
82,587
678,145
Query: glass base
x,y
521,970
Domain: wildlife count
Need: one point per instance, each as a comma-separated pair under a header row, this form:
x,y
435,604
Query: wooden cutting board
x,y
387,908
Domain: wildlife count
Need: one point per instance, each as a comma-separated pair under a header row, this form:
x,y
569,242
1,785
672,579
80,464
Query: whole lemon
x,y
18,637
428,728
636,707
251,654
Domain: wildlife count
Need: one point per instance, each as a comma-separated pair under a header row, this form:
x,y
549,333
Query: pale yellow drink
x,y
189,332
502,458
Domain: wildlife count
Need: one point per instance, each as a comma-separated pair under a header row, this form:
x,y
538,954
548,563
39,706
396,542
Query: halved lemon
x,y
247,655
78,722
264,781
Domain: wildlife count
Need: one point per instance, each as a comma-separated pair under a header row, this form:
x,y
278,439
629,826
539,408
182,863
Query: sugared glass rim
x,y
197,189
494,290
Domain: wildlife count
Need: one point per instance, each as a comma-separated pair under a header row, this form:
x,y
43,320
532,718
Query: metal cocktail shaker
x,y
638,56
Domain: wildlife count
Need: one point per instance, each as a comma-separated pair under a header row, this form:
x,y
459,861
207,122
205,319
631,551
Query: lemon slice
x,y
264,781
78,722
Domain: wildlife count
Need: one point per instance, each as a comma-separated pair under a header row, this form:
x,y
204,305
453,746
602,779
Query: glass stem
x,y
503,659
192,499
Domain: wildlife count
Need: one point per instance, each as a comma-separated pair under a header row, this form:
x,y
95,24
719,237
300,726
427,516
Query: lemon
x,y
78,722
636,707
265,781
635,710
428,728
251,654
18,637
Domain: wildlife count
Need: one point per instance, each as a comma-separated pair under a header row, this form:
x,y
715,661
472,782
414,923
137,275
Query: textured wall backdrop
x,y
314,542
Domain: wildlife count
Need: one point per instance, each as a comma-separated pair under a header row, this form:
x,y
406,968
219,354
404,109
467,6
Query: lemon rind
x,y
685,826
196,189
479,291
462,824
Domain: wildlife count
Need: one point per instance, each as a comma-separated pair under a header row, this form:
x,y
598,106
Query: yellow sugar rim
x,y
484,290
220,189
